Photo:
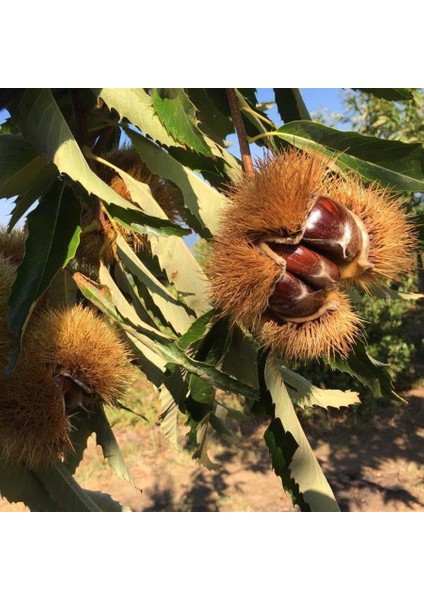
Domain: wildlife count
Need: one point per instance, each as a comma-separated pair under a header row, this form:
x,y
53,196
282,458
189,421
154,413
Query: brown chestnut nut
x,y
311,267
331,228
294,298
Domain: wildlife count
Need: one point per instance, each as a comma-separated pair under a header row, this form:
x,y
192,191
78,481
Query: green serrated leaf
x,y
203,431
64,490
204,202
134,220
225,433
53,237
290,104
18,484
240,359
212,120
105,502
172,310
201,391
175,258
160,343
136,105
81,430
305,394
40,183
20,164
42,123
369,371
106,440
395,94
197,330
392,163
172,394
292,457
178,115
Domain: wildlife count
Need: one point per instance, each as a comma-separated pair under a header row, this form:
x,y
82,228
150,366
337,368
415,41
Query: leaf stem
x,y
246,157
263,135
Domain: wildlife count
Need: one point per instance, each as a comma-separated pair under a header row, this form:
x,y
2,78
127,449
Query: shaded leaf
x,y
20,164
392,163
64,490
18,484
82,428
136,105
290,104
240,359
134,220
41,182
105,502
53,237
203,431
369,371
292,456
197,330
212,120
178,115
304,394
395,94
173,392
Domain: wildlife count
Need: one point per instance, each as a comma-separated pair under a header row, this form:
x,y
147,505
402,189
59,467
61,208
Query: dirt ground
x,y
372,465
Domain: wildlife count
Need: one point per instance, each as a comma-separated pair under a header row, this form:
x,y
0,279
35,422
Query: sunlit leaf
x,y
43,124
304,394
392,163
178,115
136,105
182,270
107,441
292,456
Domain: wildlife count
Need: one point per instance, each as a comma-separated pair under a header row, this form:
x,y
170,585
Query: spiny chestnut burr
x,y
293,235
70,360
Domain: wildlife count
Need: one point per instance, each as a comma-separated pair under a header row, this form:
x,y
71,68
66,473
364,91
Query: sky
x,y
328,99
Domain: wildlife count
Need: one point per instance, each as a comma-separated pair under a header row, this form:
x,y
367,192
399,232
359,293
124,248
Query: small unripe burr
x,y
292,237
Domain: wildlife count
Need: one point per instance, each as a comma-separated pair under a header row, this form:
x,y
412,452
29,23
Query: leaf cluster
x,y
53,152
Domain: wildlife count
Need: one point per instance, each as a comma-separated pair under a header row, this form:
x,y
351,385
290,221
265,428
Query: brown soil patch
x,y
372,465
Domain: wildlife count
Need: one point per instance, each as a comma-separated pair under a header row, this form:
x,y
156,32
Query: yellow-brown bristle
x,y
12,245
7,277
391,235
34,428
78,341
333,333
277,196
242,279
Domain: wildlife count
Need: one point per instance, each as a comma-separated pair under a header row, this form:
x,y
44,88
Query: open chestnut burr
x,y
292,238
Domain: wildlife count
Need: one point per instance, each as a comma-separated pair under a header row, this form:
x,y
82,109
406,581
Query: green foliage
x,y
155,292
393,337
